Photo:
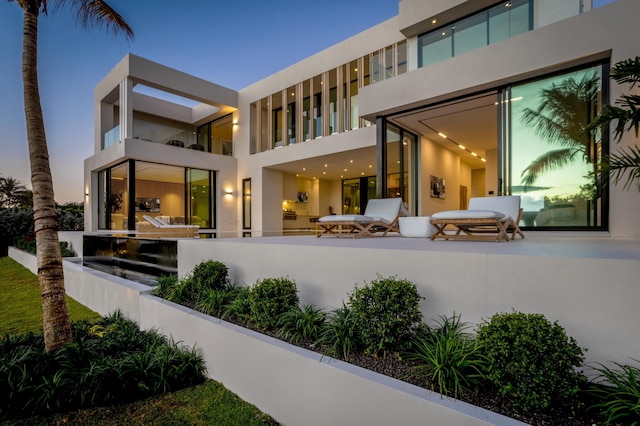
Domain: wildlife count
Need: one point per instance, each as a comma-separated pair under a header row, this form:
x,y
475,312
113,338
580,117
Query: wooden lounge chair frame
x,y
381,215
484,220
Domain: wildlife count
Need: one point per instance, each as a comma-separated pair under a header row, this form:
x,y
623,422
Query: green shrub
x,y
210,274
301,323
109,362
449,357
387,314
269,298
531,361
194,288
339,332
617,391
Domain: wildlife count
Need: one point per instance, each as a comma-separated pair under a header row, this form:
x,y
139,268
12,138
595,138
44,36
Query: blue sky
x,y
233,44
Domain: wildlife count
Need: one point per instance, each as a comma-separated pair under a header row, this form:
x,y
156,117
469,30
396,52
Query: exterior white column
x,y
126,109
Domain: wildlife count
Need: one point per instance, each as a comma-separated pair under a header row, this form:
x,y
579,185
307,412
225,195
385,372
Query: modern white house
x,y
446,101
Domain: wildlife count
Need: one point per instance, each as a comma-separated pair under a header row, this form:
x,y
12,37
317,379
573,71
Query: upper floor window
x,y
507,19
217,136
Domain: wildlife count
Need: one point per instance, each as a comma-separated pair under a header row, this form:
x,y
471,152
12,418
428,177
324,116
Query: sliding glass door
x,y
550,159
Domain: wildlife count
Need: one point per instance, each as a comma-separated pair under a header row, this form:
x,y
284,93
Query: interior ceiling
x,y
471,122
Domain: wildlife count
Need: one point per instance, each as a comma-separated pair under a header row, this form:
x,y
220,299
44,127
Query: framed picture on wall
x,y
437,187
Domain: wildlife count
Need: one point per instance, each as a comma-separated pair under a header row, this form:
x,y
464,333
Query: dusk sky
x,y
233,44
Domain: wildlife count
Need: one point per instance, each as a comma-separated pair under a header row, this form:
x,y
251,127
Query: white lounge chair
x,y
161,228
498,216
380,215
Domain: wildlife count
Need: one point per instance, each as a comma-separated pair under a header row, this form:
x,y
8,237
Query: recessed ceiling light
x,y
304,169
351,161
434,21
326,165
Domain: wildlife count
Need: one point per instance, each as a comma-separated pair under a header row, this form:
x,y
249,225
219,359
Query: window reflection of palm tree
x,y
561,119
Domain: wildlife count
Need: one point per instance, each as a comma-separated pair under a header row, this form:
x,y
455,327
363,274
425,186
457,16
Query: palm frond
x,y
627,71
90,13
550,160
562,115
625,163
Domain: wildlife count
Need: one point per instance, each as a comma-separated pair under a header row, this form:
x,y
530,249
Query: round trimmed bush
x,y
531,361
210,274
387,314
269,298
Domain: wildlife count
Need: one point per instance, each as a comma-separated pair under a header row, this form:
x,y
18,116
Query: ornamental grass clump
x,y
301,324
387,314
531,361
617,390
339,333
269,298
450,359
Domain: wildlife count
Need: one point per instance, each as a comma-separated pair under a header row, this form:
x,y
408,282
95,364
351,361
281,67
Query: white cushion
x,y
507,204
360,218
468,214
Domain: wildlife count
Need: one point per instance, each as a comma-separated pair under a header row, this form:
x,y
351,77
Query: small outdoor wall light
x,y
229,193
235,124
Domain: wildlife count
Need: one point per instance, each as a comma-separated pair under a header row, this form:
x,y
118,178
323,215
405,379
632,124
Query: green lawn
x,y
207,404
20,308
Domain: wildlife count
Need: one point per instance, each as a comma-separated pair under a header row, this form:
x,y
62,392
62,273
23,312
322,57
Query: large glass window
x,y
291,115
435,47
317,106
353,95
552,159
333,102
246,204
160,191
306,112
118,201
507,19
199,193
469,34
217,136
276,119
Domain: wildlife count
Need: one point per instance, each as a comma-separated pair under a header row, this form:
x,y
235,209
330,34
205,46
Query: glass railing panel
x,y
111,137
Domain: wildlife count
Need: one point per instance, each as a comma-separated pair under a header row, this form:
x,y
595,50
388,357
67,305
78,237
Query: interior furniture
x,y
487,218
380,215
176,143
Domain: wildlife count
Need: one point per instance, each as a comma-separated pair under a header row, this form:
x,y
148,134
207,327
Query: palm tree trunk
x,y
55,315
